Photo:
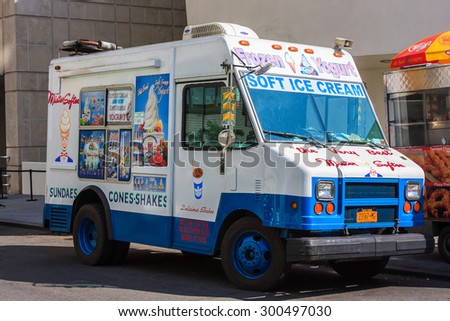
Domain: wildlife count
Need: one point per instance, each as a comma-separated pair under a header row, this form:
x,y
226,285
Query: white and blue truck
x,y
261,152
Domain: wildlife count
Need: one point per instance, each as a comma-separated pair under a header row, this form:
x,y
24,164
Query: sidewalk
x,y
18,210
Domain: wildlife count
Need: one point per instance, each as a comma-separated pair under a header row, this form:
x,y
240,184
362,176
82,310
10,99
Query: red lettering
x,y
334,163
391,165
343,152
377,152
306,150
67,99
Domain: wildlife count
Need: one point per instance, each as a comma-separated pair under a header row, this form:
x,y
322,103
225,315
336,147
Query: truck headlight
x,y
325,190
413,191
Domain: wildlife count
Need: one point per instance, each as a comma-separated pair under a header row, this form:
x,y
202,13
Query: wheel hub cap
x,y
252,255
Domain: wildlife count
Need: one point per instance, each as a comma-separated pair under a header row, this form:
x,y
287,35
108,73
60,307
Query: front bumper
x,y
307,249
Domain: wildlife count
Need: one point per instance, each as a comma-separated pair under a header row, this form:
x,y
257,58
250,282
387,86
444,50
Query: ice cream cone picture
x,y
152,123
64,132
289,61
151,118
306,68
86,113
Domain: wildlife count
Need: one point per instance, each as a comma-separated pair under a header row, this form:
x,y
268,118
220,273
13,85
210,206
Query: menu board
x,y
119,106
92,108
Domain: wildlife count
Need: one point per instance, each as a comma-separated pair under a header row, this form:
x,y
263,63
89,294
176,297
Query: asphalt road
x,y
37,265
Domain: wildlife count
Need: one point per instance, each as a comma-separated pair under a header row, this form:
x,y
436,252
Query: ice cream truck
x,y
417,95
263,153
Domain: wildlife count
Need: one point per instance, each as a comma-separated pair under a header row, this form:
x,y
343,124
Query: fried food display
x,y
437,163
438,203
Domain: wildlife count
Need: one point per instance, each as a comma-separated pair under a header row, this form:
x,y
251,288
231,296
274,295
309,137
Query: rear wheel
x,y
253,256
361,269
90,236
444,243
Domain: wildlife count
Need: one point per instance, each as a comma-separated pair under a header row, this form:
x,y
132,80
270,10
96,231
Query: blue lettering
x,y
262,81
298,84
292,83
338,88
330,88
280,82
321,87
252,81
308,85
357,90
348,90
271,81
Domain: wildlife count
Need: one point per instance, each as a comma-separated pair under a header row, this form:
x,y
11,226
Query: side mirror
x,y
226,137
262,69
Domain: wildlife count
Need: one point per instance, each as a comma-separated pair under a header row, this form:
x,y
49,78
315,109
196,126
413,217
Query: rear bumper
x,y
357,247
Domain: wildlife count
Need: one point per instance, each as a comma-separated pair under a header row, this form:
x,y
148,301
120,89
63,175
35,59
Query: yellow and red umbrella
x,y
431,50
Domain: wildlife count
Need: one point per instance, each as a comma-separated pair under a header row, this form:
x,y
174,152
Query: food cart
x,y
418,107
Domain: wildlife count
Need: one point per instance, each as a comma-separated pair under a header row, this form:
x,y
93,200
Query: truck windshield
x,y
297,109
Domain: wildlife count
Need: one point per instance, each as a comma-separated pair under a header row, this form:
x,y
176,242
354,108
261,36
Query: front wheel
x,y
90,236
362,269
253,256
444,243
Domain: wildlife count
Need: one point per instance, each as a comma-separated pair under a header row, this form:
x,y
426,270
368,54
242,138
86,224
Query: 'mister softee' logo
x,y
68,99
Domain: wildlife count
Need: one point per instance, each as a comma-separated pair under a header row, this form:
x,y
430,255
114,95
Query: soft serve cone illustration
x,y
152,123
290,61
64,132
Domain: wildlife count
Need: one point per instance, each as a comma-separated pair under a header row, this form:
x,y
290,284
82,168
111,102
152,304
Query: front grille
x,y
380,196
370,190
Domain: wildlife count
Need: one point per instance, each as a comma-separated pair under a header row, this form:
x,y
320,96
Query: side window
x,y
245,135
203,116
202,112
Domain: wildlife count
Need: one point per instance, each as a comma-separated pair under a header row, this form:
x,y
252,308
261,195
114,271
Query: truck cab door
x,y
198,183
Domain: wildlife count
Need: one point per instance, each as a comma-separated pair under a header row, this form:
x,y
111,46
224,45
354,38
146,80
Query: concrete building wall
x,y
380,29
32,33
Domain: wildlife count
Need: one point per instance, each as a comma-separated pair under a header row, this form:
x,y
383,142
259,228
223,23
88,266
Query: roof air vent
x,y
217,28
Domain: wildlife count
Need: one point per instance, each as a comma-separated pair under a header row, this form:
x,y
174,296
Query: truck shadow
x,y
167,275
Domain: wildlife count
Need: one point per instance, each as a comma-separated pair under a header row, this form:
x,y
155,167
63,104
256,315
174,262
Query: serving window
x,y
420,118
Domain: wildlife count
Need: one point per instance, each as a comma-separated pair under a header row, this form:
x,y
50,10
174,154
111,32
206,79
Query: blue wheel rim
x,y
252,255
87,236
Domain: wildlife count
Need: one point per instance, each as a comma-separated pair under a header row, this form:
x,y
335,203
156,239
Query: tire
x,y
253,256
363,269
90,236
444,243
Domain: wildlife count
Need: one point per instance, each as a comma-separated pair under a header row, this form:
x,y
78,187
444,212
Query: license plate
x,y
366,216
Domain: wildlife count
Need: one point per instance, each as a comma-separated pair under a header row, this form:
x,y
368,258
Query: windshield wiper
x,y
372,143
285,135
308,139
361,142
